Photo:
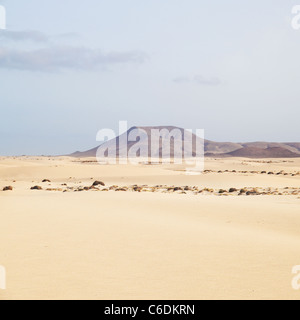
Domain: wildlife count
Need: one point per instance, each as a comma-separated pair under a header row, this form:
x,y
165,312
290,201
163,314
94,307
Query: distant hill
x,y
212,149
256,152
293,147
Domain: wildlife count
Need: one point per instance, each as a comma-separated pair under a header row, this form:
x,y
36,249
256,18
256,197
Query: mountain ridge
x,y
258,149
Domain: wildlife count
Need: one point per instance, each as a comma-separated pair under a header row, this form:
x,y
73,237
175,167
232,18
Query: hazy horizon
x,y
70,69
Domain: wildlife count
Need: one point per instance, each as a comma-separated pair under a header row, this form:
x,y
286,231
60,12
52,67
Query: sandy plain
x,y
152,232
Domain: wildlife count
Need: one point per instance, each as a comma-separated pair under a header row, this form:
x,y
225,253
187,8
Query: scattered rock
x,y
177,189
54,189
121,189
249,191
36,188
99,183
8,188
46,180
252,192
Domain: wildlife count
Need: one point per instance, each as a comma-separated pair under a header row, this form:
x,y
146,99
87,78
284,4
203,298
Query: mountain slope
x,y
212,149
255,152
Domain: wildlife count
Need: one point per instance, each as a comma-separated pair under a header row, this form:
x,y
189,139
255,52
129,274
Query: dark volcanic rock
x,y
9,188
36,188
99,183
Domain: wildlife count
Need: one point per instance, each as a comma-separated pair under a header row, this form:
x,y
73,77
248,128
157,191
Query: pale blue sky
x,y
70,68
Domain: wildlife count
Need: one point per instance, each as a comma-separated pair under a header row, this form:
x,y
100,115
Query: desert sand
x,y
144,239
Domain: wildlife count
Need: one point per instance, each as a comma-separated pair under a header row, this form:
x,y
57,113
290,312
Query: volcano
x,y
161,138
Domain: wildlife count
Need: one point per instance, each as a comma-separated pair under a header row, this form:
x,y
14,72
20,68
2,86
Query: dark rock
x,y
121,189
8,188
98,183
177,189
36,188
251,193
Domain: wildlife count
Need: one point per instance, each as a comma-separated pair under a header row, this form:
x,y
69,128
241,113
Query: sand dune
x,y
148,245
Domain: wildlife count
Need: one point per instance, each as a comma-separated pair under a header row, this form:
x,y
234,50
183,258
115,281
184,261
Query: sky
x,y
70,68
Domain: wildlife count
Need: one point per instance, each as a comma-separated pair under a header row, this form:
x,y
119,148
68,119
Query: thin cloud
x,y
182,80
207,81
33,36
64,58
198,79
67,35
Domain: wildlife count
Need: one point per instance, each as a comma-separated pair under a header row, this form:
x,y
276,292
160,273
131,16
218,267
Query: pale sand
x,y
125,245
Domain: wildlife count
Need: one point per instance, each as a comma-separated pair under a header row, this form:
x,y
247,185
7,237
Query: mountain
x,y
212,149
293,147
146,138
256,152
